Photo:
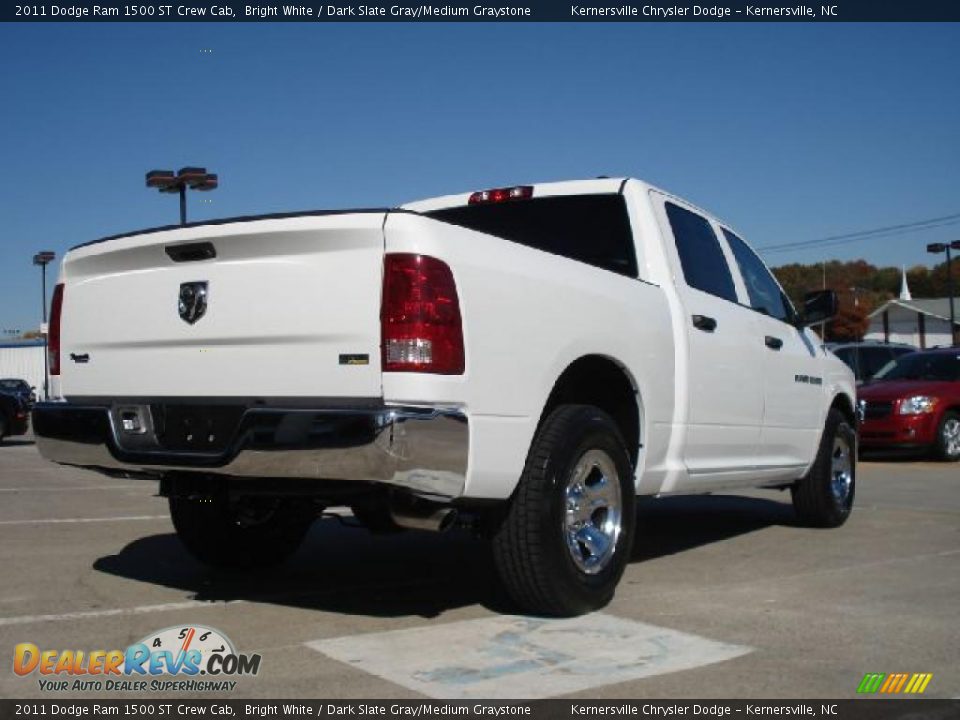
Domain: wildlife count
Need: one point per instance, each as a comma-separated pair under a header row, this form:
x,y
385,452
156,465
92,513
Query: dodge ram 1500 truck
x,y
523,360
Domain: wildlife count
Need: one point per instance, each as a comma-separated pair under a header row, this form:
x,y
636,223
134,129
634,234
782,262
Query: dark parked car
x,y
20,388
866,359
914,403
13,415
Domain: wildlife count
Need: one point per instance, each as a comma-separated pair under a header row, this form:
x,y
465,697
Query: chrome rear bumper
x,y
422,449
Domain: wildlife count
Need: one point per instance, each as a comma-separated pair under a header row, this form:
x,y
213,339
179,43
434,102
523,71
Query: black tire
x,y
815,500
243,533
530,546
3,426
947,447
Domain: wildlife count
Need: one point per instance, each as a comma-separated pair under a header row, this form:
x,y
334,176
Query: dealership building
x,y
23,359
921,323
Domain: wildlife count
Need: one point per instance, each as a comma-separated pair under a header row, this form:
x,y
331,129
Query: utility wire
x,y
888,231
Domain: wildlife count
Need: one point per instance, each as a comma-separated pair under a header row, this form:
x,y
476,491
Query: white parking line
x,y
112,612
521,657
66,488
54,521
201,604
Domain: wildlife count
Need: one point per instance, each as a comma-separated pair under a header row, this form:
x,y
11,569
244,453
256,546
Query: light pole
x,y
823,286
195,178
44,258
936,249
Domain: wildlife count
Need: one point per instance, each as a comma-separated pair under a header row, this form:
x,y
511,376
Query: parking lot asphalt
x,y
725,595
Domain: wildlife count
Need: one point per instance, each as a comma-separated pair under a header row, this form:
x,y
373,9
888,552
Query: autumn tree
x,y
862,287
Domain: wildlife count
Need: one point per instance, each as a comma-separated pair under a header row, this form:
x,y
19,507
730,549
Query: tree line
x,y
862,288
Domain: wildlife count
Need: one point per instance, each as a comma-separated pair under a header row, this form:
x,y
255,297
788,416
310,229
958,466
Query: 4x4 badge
x,y
193,301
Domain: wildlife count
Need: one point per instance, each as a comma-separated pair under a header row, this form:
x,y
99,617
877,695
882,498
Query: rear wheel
x,y
567,534
948,437
245,532
3,426
824,496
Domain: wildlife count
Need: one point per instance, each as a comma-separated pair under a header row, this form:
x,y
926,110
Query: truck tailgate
x,y
292,310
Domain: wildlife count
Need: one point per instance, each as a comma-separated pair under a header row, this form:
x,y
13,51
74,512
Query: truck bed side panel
x,y
527,316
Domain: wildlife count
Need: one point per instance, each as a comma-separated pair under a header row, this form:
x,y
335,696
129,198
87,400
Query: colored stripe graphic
x,y
894,683
871,682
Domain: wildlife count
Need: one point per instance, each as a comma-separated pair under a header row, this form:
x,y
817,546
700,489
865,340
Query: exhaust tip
x,y
424,516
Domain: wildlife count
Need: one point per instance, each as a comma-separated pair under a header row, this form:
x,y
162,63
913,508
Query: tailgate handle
x,y
774,343
191,252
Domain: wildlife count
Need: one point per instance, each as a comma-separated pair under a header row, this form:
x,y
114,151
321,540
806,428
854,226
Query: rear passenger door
x,y
725,397
791,369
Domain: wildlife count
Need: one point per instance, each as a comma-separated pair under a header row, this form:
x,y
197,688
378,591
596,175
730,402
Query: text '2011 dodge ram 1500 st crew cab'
x,y
526,360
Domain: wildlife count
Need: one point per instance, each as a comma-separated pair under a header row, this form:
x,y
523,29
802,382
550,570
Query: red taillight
x,y
497,195
420,323
53,332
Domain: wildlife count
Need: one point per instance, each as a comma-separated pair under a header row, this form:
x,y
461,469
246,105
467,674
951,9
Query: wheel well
x,y
845,406
600,381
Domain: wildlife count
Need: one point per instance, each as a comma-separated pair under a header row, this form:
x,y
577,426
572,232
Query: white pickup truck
x,y
523,360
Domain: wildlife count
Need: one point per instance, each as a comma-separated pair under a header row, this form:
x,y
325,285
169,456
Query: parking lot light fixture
x,y
44,258
168,181
936,249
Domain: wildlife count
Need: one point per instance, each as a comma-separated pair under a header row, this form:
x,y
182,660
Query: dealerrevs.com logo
x,y
192,658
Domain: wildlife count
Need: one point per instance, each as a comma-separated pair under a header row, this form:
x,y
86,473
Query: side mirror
x,y
819,306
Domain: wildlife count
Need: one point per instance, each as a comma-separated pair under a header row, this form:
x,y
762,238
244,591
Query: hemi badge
x,y
355,359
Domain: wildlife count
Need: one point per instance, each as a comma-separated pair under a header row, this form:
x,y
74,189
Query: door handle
x,y
702,322
774,343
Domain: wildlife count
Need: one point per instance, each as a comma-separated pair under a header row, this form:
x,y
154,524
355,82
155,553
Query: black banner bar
x,y
488,11
914,709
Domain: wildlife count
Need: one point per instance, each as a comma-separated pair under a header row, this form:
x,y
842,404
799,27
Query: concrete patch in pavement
x,y
521,657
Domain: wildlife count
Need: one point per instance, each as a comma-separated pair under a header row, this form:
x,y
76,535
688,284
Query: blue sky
x,y
790,132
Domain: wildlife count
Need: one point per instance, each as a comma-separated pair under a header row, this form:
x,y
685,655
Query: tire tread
x,y
811,498
520,551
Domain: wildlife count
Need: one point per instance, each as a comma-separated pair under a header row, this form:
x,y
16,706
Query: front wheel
x,y
567,534
948,437
245,532
824,496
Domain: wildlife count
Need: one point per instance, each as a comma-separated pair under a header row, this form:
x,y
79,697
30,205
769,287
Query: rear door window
x,y
593,229
701,257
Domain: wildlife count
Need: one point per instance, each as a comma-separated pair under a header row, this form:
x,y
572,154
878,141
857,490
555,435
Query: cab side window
x,y
765,294
701,257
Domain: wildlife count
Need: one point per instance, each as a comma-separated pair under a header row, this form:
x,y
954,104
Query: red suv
x,y
914,402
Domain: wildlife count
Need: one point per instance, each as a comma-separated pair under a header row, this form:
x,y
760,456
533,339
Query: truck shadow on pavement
x,y
667,526
347,570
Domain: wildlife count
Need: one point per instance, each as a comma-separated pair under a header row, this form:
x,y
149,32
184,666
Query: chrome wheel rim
x,y
951,437
593,515
841,470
